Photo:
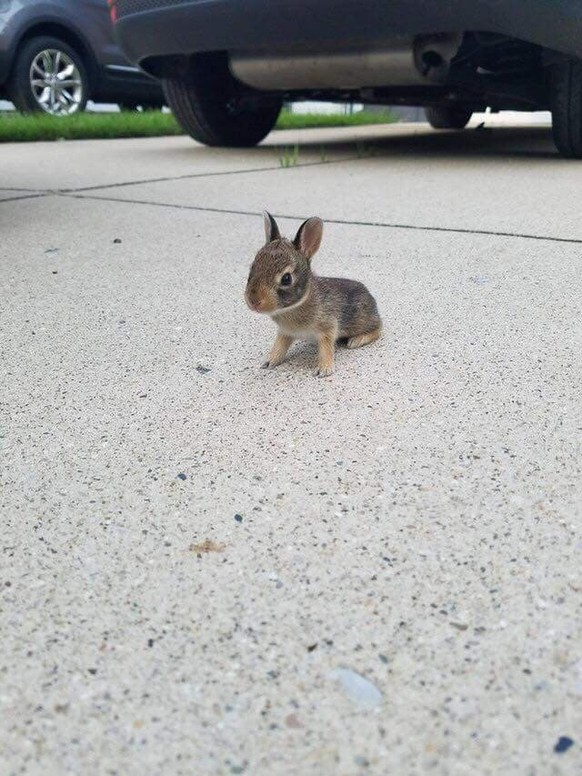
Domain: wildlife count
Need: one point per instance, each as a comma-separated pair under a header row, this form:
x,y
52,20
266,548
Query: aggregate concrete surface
x,y
209,568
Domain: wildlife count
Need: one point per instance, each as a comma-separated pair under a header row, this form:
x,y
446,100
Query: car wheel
x,y
448,117
48,75
215,108
566,107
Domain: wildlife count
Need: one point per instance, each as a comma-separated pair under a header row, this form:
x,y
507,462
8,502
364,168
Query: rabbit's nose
x,y
252,300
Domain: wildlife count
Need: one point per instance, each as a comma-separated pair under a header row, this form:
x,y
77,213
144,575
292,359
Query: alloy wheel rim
x,y
56,82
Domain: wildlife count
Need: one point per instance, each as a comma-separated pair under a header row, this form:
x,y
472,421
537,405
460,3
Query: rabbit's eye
x,y
286,279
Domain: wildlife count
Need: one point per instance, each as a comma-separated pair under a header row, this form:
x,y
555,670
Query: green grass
x,y
289,157
289,120
15,128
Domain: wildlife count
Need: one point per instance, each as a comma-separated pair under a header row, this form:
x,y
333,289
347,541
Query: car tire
x,y
216,109
566,107
48,76
448,117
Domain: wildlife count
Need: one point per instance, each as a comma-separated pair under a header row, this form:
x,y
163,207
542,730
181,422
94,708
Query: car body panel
x,y
157,28
87,23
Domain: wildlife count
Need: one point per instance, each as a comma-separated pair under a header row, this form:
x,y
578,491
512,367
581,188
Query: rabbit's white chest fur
x,y
302,334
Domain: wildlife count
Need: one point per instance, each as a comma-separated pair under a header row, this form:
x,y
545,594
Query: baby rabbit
x,y
303,305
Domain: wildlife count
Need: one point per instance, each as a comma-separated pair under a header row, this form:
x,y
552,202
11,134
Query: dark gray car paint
x,y
85,25
148,29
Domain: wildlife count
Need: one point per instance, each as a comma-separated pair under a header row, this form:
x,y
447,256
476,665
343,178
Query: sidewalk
x,y
209,568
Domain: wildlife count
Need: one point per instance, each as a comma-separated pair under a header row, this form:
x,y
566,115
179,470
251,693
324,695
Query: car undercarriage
x,y
227,83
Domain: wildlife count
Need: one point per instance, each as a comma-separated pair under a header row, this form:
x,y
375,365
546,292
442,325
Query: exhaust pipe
x,y
402,62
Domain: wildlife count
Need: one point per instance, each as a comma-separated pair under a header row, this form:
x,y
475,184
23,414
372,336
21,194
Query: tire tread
x,y
566,106
448,116
198,101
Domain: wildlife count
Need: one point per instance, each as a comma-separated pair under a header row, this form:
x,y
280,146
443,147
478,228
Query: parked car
x,y
57,54
228,65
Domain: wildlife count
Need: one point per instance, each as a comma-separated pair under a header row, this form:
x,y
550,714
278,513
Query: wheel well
x,y
69,36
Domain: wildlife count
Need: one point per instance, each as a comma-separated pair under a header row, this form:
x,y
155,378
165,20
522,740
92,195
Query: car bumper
x,y
160,28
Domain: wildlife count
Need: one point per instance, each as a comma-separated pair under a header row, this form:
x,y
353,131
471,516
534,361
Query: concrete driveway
x,y
208,568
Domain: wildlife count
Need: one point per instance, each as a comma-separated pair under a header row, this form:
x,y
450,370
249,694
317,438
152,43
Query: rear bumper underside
x,y
149,29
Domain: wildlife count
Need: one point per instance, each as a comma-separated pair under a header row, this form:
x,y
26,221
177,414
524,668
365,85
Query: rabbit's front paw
x,y
323,371
278,351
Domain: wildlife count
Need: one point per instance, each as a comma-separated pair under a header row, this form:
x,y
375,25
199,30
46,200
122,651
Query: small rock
x,y
357,688
117,241
52,250
92,671
563,744
238,518
55,272
182,476
462,626
312,647
383,658
203,369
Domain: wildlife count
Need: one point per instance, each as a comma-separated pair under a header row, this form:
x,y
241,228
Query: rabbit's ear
x,y
308,238
271,228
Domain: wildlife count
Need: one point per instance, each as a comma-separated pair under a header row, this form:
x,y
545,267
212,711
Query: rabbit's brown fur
x,y
303,305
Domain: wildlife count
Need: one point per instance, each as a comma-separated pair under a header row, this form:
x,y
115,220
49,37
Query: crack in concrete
x,y
341,221
20,188
169,179
82,192
221,173
25,196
